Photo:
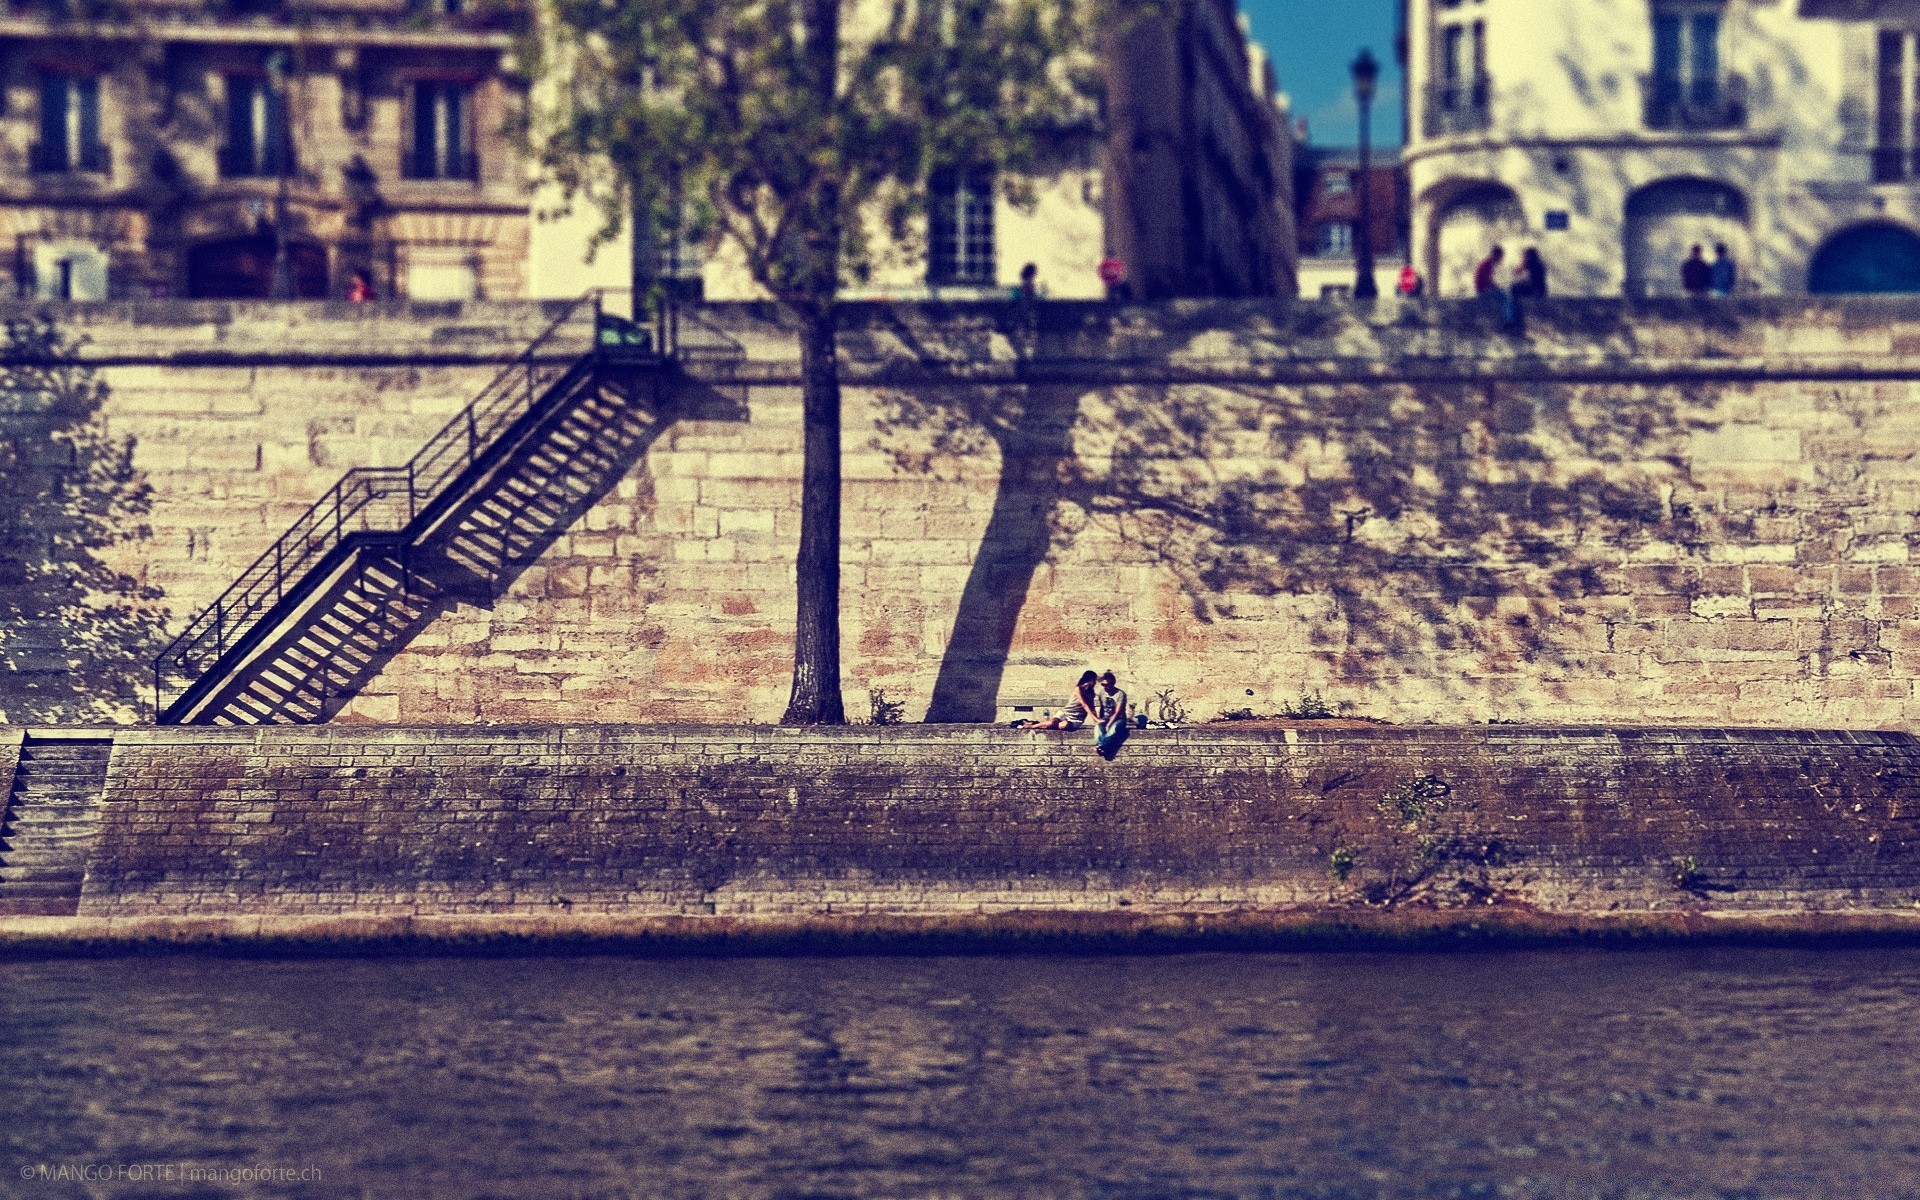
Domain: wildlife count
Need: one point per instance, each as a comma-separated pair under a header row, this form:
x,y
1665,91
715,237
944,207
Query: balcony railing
x,y
1458,106
87,158
459,164
247,162
1706,103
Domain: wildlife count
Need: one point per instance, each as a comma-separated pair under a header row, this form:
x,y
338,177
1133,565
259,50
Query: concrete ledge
x,y
1115,930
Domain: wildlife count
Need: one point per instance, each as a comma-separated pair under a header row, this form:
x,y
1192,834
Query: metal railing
x,y
1458,106
1705,102
380,503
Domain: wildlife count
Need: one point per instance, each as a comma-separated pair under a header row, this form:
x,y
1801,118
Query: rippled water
x,y
1748,1073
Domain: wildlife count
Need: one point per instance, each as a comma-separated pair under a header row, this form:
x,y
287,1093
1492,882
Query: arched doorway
x,y
1666,220
1867,258
242,269
1466,225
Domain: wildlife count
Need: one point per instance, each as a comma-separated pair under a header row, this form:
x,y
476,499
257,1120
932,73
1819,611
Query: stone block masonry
x,y
745,828
1657,512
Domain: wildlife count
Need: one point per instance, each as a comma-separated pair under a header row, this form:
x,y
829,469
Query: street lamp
x,y
275,153
1366,72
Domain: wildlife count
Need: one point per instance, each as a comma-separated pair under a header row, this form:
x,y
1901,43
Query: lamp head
x,y
1366,72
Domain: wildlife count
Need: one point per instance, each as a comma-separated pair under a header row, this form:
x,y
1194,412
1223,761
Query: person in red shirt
x,y
1410,282
1486,275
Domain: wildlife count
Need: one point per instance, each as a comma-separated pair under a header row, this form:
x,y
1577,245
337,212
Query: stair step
x,y
27,867
41,880
31,820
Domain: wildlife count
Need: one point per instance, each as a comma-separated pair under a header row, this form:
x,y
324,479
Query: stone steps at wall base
x,y
49,825
26,839
47,868
63,905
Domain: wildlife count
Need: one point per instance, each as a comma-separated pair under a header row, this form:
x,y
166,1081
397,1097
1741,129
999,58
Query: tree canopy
x,y
796,130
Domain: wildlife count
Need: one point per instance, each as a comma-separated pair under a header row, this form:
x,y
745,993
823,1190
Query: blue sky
x,y
1312,43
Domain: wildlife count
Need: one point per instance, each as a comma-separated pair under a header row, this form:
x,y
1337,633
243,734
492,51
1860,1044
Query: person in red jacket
x,y
1486,277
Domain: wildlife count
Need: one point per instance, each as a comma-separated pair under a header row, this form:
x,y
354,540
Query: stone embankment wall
x,y
150,451
1648,512
861,826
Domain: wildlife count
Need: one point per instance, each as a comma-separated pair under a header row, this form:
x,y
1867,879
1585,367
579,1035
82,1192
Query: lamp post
x,y
275,152
1366,71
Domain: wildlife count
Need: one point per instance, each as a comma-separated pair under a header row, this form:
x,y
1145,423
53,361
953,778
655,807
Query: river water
x,y
1563,1073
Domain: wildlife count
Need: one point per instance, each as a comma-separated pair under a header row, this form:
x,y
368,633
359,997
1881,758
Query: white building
x,y
1616,134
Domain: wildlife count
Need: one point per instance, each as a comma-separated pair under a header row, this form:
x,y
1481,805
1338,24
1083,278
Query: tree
x,y
77,634
795,130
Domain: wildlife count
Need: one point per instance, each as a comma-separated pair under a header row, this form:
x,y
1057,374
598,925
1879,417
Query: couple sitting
x,y
1105,708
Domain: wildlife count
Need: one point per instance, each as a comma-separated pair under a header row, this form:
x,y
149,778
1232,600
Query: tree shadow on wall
x,y
77,635
1432,518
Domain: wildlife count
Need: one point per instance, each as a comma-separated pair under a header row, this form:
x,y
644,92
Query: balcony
x,y
455,165
248,162
1458,106
89,158
1696,105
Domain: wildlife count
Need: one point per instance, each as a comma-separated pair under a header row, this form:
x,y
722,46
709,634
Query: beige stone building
x,y
187,148
1191,191
1617,134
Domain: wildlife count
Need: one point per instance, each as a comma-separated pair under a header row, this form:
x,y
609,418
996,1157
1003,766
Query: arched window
x,y
1665,220
1469,222
1867,258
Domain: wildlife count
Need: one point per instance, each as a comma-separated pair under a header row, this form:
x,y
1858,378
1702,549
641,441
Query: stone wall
x,y
150,451
1650,512
777,825
1663,513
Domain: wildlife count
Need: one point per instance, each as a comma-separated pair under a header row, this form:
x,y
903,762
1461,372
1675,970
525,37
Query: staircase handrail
x,y
364,500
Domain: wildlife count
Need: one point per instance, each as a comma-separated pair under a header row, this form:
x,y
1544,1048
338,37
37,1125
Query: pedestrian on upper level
x,y
1110,707
1721,273
1411,285
1530,278
1486,285
1695,275
1486,276
1113,273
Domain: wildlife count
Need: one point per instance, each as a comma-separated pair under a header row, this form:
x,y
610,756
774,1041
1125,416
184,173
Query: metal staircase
x,y
374,560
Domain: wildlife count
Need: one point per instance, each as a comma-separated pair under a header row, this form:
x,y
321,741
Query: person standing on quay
x,y
1721,273
1695,275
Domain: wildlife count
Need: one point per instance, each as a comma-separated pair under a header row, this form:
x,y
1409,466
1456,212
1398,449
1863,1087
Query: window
x,y
960,227
69,125
442,132
259,139
1686,51
1336,239
1458,94
69,270
1896,127
443,273
1688,89
1337,183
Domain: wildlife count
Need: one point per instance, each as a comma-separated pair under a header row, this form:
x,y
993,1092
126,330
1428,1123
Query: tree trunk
x,y
816,641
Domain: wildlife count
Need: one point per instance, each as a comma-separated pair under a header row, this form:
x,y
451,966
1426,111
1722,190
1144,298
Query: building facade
x,y
1190,191
1615,135
1327,184
248,149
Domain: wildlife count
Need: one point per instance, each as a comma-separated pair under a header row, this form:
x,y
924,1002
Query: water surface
x,y
1669,1073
